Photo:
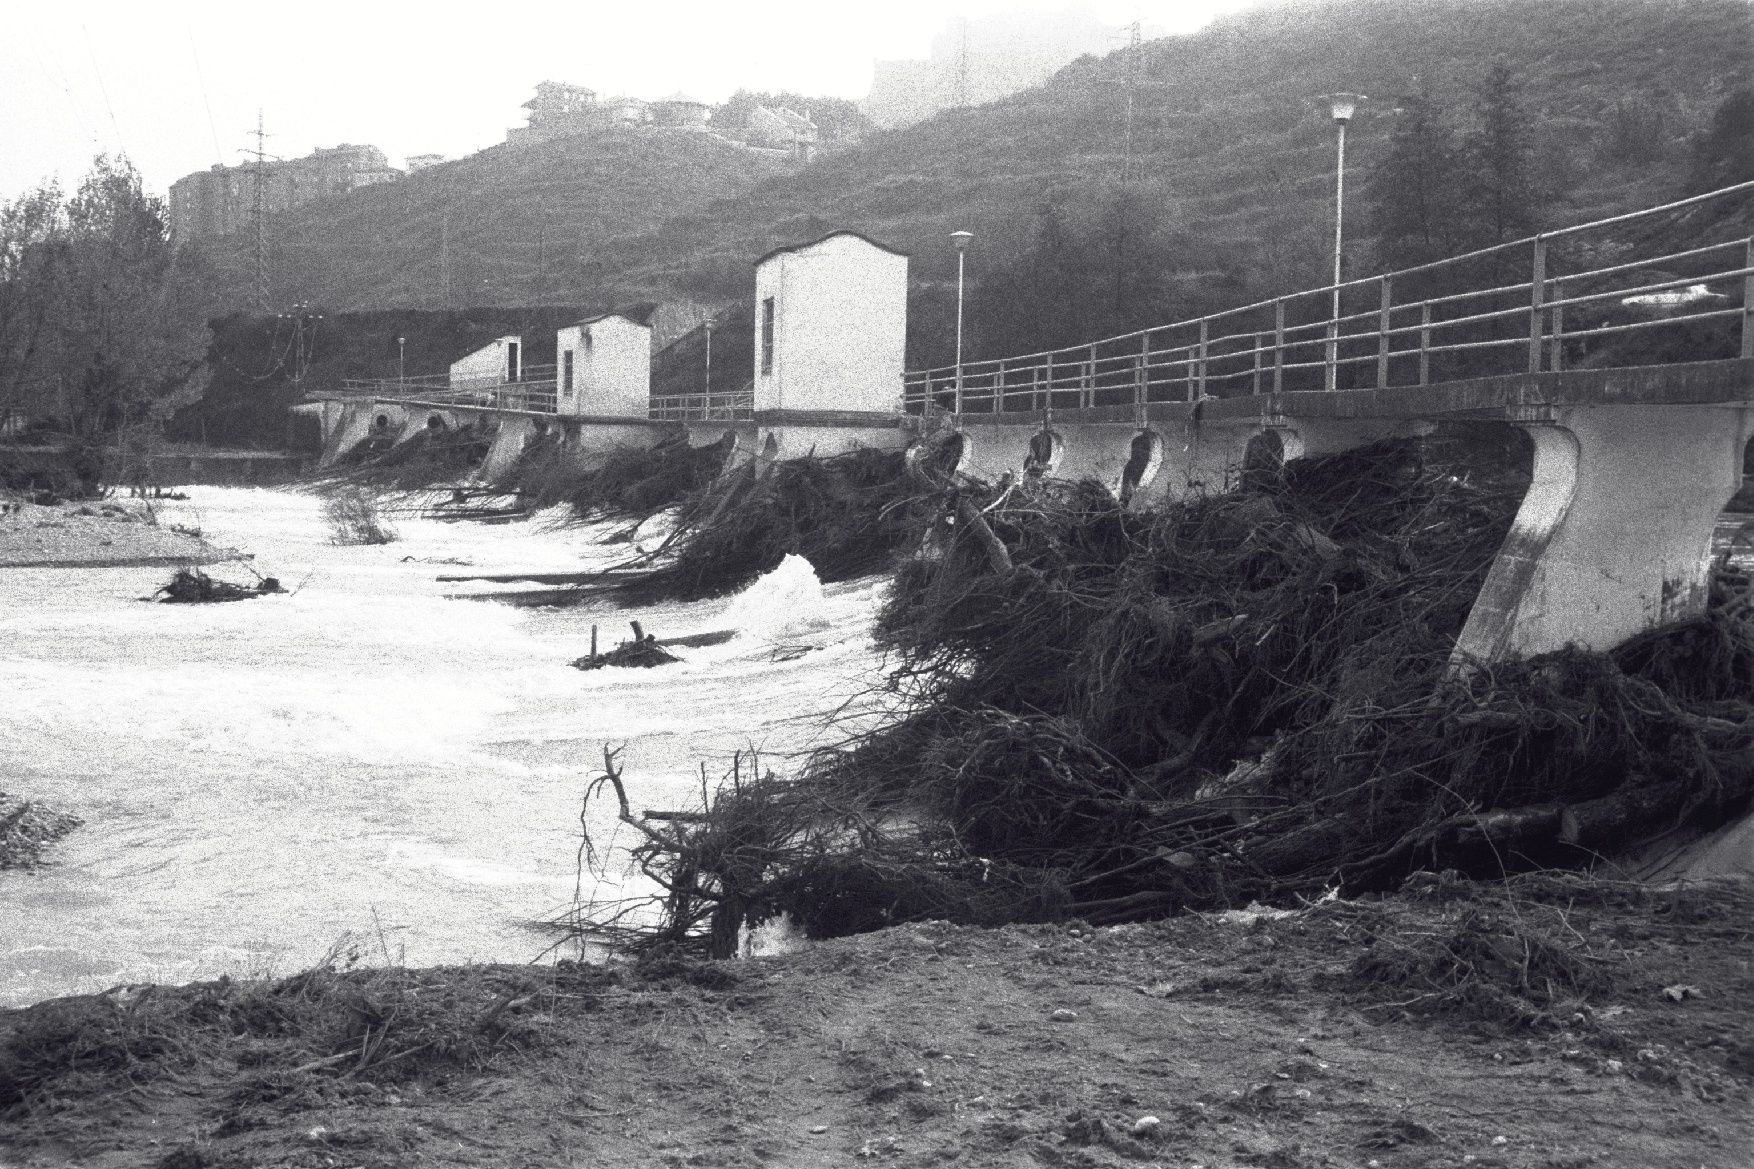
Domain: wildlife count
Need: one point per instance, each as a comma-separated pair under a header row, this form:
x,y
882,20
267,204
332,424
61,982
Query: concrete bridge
x,y
1633,380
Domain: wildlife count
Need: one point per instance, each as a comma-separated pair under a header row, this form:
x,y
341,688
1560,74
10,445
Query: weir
x,y
1632,463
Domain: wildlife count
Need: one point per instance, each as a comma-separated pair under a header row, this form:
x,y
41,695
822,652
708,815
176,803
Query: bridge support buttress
x,y
1614,535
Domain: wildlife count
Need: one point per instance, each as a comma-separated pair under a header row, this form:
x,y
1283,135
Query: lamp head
x,y
960,239
1344,105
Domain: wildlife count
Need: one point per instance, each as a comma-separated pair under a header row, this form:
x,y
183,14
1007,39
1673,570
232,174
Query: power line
x,y
218,151
104,90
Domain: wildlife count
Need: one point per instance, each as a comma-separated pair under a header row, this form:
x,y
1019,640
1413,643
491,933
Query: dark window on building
x,y
511,361
566,370
766,336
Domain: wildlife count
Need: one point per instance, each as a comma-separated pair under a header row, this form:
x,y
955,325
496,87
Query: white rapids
x,y
365,759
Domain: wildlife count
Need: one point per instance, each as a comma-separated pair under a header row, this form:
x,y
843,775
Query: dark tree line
x,y
102,328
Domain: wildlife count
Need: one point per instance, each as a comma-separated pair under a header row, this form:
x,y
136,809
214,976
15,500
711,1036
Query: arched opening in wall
x,y
435,422
771,447
381,422
939,458
1045,449
1143,459
1734,537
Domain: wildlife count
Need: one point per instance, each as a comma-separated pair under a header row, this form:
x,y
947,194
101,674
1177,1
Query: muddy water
x,y
365,759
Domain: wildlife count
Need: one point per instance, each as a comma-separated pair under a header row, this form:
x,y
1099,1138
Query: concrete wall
x,y
1614,535
796,442
612,367
840,326
489,365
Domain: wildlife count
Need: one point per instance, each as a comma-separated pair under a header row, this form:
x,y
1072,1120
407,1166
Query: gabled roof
x,y
791,118
824,239
628,315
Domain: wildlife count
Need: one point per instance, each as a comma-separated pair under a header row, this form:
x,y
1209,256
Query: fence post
x,y
1087,395
1425,344
1035,380
1537,291
1205,332
1330,379
1382,333
1557,314
1257,378
1144,394
1279,345
1748,303
999,389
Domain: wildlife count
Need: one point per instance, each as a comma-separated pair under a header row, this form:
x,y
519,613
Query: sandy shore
x,y
101,534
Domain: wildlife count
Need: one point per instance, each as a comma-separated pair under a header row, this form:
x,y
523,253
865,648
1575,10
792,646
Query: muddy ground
x,y
96,534
1552,1022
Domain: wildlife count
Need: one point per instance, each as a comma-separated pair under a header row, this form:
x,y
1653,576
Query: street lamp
x,y
960,239
1342,106
401,358
708,325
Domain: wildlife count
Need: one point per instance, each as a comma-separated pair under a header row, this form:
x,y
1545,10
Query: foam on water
x,y
366,755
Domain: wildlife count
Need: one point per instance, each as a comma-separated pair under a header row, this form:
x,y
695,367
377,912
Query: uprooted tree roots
x,y
1240,697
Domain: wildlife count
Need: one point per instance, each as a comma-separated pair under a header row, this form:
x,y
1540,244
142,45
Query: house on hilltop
x,y
681,112
783,129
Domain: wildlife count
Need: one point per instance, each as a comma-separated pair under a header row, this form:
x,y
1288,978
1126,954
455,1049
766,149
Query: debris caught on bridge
x,y
848,514
1240,697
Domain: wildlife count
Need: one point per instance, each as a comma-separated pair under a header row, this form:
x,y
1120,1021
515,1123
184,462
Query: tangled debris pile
x,y
1240,697
191,586
26,829
848,515
643,652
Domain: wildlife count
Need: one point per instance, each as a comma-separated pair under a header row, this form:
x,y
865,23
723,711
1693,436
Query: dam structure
x,y
1628,365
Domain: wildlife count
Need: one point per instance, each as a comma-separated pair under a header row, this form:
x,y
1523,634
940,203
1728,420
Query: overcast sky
x,y
176,84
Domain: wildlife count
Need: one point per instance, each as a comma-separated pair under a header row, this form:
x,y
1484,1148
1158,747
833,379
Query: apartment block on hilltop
x,y
221,200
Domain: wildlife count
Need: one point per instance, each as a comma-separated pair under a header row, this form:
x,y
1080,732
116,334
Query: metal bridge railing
x,y
535,392
731,406
1525,306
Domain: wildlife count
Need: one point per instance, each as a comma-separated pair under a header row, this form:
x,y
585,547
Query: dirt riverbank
x,y
101,534
1551,1022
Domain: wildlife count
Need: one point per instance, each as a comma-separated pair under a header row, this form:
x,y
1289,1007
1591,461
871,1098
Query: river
x,y
364,764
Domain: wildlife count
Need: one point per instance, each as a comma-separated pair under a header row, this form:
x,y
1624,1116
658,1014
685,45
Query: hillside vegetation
x,y
515,225
1232,164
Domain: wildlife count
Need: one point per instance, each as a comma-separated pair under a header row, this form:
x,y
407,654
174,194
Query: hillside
x,y
1230,143
517,225
1232,157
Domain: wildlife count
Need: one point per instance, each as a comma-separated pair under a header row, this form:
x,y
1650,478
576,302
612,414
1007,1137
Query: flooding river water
x,y
364,760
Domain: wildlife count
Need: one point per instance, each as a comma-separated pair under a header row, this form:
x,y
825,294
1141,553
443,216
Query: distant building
x,y
496,363
603,366
681,112
559,110
783,129
422,161
222,199
627,111
830,326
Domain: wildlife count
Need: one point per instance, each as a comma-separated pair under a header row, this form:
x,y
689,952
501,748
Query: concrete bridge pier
x,y
1614,535
345,426
514,434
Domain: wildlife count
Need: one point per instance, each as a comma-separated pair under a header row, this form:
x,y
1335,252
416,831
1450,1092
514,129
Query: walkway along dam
x,y
1623,348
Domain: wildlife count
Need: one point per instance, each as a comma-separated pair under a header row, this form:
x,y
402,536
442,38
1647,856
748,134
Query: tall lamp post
x,y
1342,106
960,239
401,358
708,325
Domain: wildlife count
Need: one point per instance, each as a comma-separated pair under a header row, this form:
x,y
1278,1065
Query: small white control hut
x,y
495,363
830,326
603,367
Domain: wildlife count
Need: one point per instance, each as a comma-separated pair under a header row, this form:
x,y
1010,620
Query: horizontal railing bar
x,y
1654,323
